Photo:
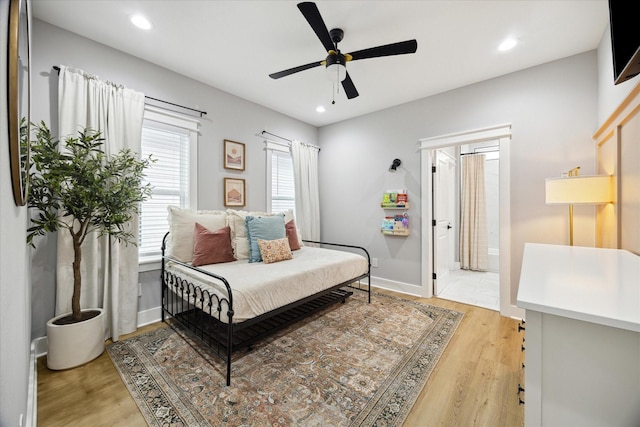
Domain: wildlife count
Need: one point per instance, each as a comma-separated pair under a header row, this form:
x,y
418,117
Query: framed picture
x,y
234,157
234,192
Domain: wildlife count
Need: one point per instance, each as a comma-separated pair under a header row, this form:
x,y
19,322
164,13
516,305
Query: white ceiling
x,y
235,45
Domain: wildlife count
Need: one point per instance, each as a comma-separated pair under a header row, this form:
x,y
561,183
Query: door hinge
x,y
433,169
433,222
435,276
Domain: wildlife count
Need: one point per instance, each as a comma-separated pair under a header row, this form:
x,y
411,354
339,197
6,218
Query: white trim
x,y
32,393
502,134
149,264
149,316
392,285
277,146
466,137
172,118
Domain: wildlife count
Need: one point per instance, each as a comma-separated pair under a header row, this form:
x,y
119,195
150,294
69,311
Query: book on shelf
x,y
395,199
396,224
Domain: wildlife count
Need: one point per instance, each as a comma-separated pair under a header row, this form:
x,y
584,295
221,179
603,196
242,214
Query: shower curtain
x,y
474,241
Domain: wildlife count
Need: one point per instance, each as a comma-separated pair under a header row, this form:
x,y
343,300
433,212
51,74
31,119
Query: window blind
x,y
282,186
169,176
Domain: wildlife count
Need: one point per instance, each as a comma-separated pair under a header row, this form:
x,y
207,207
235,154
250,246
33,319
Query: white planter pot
x,y
74,344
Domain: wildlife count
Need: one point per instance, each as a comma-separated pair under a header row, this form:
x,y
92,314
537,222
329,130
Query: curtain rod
x,y
288,140
277,136
55,67
480,152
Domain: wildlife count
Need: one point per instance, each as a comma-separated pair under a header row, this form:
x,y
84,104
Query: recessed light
x,y
141,22
321,109
507,44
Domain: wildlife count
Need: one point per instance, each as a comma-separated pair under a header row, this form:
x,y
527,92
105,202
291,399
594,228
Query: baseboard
x,y
32,392
392,285
150,316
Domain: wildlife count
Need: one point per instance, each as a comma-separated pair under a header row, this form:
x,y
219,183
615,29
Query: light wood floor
x,y
474,383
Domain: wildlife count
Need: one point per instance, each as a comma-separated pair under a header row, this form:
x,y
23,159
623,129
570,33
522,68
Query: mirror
x,y
19,93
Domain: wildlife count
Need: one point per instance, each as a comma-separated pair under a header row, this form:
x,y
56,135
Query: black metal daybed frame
x,y
200,311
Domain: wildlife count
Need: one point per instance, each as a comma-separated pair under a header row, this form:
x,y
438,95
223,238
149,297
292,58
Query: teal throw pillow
x,y
263,228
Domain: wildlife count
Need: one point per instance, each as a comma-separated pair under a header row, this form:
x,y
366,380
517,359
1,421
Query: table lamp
x,y
573,189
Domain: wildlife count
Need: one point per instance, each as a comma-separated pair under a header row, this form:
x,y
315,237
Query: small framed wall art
x,y
234,155
234,192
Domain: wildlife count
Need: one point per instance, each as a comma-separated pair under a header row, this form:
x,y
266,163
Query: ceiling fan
x,y
336,61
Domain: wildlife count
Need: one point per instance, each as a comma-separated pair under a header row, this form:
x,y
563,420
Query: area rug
x,y
352,364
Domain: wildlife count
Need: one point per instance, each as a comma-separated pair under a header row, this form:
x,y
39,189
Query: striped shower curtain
x,y
474,242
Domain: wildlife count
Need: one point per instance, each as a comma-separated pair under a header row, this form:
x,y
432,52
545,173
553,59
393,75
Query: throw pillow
x,y
265,228
181,223
239,237
211,247
274,250
292,235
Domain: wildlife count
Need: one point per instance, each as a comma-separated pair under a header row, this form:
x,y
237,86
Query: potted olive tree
x,y
81,190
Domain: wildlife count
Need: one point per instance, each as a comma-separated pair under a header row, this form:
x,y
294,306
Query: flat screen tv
x,y
625,39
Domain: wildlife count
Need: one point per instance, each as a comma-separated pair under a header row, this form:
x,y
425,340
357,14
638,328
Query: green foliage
x,y
83,190
101,193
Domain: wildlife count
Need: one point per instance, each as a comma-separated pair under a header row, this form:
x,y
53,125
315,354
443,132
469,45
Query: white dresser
x,y
582,348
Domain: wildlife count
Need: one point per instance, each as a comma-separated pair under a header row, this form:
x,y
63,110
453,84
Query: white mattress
x,y
259,288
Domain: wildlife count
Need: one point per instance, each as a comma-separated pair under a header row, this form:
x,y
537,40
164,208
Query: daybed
x,y
232,277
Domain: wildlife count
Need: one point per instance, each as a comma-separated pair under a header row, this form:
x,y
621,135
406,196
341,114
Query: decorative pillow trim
x,y
275,250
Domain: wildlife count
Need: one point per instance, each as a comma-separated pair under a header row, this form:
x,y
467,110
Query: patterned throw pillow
x,y
274,250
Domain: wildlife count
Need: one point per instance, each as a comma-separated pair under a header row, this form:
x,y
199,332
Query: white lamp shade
x,y
336,72
579,189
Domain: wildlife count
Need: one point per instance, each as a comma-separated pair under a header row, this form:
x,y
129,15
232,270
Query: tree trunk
x,y
77,280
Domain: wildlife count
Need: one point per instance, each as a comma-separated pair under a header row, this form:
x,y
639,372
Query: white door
x,y
443,203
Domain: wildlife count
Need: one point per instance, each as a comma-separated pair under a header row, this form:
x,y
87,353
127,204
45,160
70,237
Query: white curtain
x,y
474,241
305,175
109,269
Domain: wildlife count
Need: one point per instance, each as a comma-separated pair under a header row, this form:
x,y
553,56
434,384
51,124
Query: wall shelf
x,y
397,224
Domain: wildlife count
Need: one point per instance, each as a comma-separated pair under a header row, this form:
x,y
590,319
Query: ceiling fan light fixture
x,y
336,69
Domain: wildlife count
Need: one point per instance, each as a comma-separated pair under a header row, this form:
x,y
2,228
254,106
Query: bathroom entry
x,y
466,228
444,195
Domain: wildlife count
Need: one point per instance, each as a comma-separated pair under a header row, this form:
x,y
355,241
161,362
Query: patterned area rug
x,y
352,364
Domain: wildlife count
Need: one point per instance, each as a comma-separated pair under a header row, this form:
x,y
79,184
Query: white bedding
x,y
259,288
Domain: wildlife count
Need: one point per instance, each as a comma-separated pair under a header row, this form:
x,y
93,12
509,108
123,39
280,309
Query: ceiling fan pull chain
x,y
333,93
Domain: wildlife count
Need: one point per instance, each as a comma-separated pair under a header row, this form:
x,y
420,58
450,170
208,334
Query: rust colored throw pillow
x,y
292,235
274,250
211,247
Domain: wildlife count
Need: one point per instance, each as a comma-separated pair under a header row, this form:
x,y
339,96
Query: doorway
x,y
502,135
472,274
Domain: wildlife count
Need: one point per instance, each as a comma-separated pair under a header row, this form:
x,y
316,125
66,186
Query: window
x,y
280,186
171,139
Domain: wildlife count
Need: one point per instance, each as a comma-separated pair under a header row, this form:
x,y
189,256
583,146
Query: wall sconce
x,y
396,163
573,189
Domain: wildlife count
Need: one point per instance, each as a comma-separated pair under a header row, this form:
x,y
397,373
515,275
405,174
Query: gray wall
x,y
228,117
15,294
552,109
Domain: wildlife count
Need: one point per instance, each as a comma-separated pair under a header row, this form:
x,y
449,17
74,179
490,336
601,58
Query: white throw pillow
x,y
181,225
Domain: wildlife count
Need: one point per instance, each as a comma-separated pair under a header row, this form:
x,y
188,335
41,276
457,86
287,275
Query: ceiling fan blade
x,y
349,87
295,70
313,17
400,48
